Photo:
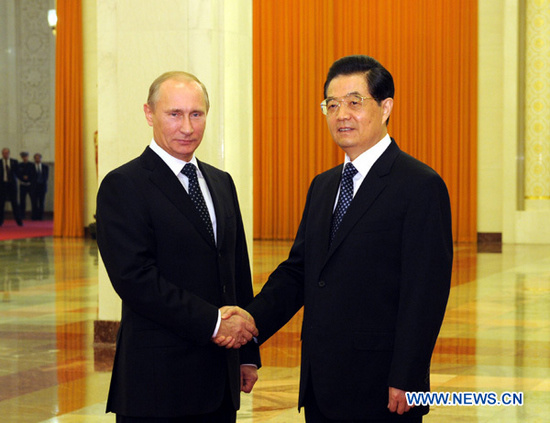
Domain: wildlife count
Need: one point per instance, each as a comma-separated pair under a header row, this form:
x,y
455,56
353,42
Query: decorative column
x,y
537,105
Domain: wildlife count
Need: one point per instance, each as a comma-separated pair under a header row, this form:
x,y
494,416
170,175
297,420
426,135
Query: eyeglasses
x,y
353,102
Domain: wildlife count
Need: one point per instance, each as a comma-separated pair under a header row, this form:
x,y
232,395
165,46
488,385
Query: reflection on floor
x,y
495,338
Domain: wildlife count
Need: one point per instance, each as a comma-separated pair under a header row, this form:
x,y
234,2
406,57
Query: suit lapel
x,y
373,184
163,178
323,207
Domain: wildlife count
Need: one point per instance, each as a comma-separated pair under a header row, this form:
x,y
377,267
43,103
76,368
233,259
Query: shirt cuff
x,y
217,324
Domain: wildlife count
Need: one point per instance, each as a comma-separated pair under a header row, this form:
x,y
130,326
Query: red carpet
x,y
30,229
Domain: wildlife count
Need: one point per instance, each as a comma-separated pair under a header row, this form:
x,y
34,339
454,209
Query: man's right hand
x,y
237,327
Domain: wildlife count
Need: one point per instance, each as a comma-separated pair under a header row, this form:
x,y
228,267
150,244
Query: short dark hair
x,y
177,75
379,80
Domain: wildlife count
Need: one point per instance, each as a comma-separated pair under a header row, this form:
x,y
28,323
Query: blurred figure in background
x,y
25,174
8,186
39,187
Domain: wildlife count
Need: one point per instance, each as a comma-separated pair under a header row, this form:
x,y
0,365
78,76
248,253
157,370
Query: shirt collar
x,y
366,160
175,164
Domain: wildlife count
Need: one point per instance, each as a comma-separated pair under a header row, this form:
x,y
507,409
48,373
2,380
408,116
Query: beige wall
x,y
501,150
490,115
137,40
89,28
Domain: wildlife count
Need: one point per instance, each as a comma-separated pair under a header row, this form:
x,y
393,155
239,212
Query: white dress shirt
x,y
363,163
5,171
176,165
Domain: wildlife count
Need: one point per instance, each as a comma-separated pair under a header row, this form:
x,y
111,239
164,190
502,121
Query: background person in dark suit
x,y
175,264
39,187
374,283
25,174
8,186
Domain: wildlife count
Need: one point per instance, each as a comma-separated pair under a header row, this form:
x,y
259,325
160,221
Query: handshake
x,y
237,327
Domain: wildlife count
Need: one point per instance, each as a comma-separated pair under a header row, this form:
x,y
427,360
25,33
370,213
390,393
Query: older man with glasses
x,y
371,263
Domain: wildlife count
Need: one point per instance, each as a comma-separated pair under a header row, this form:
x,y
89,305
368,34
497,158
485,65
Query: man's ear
x,y
148,114
387,107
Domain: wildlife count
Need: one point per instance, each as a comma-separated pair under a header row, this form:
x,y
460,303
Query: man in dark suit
x,y
25,174
174,247
371,263
39,187
8,186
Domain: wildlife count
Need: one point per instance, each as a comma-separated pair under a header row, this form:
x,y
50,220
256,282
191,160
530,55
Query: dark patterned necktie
x,y
195,193
344,200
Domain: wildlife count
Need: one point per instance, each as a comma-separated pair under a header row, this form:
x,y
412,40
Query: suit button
x,y
322,284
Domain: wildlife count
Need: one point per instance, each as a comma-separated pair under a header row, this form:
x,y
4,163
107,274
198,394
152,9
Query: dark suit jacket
x,y
42,181
11,186
25,172
375,299
172,279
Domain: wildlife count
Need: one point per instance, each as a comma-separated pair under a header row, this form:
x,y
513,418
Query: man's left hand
x,y
249,376
398,401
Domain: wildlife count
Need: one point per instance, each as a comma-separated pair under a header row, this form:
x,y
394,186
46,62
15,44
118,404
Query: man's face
x,y
178,118
37,158
5,153
356,131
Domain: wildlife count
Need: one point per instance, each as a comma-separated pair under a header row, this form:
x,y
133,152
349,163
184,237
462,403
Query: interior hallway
x,y
496,336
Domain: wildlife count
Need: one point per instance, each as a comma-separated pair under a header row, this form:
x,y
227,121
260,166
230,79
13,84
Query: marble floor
x,y
495,337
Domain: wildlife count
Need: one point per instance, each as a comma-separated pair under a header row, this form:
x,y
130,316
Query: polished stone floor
x,y
495,338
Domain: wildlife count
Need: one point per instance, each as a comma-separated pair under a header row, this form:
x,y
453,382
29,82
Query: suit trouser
x,y
7,193
24,192
314,415
38,194
225,414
